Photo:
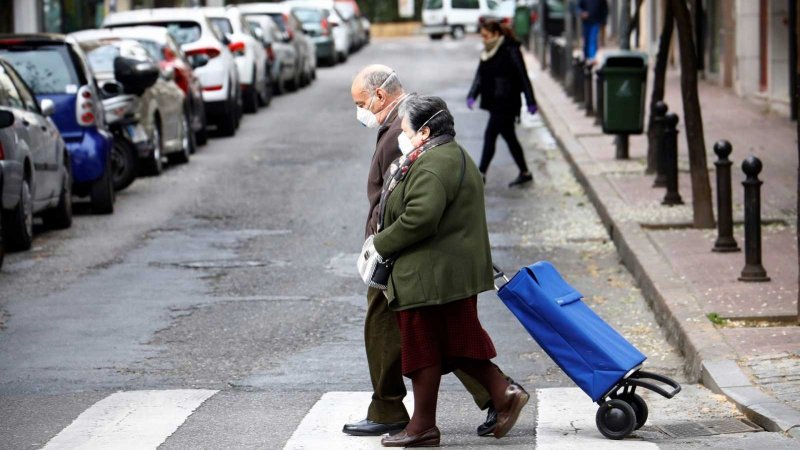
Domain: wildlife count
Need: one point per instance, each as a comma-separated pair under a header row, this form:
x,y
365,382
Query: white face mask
x,y
404,142
367,117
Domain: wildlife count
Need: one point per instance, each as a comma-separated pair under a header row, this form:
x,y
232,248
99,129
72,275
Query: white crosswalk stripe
x,y
566,421
130,420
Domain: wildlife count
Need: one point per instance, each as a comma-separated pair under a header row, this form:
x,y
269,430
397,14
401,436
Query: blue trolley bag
x,y
593,354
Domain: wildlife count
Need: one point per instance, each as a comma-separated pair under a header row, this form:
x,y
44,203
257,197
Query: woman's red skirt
x,y
439,334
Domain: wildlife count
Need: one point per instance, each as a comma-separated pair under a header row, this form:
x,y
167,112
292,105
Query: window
x,y
466,4
222,25
432,4
26,96
47,70
8,91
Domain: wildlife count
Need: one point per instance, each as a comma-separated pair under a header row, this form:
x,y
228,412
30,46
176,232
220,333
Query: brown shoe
x,y
428,438
517,398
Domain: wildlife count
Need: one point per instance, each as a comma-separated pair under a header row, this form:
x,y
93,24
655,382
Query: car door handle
x,y
26,123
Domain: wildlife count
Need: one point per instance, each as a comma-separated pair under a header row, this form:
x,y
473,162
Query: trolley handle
x,y
498,273
637,379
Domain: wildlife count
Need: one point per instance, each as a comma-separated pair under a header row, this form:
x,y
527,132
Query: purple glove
x,y
470,102
532,109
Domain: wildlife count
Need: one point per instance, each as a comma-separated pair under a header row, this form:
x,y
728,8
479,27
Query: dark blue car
x,y
55,68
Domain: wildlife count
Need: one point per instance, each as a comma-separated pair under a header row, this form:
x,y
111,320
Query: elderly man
x,y
377,92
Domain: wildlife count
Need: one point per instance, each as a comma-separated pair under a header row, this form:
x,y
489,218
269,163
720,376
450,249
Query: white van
x,y
456,17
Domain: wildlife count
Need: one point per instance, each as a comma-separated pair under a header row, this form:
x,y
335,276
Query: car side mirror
x,y
135,75
48,107
6,118
199,60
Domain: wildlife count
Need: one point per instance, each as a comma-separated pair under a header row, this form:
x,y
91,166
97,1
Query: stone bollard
x,y
588,96
753,270
725,241
577,80
659,111
669,147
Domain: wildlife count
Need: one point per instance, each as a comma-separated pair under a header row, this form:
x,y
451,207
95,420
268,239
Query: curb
x,y
709,358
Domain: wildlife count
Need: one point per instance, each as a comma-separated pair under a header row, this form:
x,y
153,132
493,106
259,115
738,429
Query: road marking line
x,y
566,421
322,426
130,420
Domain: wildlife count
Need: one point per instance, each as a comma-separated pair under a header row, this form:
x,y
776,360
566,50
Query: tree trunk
x,y
693,119
659,81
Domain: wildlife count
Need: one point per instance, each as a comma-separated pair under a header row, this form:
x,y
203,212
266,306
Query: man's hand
x,y
470,102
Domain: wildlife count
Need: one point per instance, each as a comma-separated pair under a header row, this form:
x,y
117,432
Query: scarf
x,y
400,167
491,48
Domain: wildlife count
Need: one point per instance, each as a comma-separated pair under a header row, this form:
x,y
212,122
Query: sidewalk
x,y
751,353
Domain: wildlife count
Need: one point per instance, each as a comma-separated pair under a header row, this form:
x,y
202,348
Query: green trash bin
x,y
624,75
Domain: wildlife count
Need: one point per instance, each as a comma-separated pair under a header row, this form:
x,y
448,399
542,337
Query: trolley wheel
x,y
615,419
639,408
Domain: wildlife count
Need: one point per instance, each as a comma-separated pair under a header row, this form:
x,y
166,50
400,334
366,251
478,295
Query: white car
x,y
249,52
342,31
208,51
281,55
454,17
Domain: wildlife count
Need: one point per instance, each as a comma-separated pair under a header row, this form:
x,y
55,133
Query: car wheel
x,y
251,96
60,217
102,193
201,135
182,157
123,163
437,36
154,165
342,57
279,85
18,224
457,33
265,98
227,122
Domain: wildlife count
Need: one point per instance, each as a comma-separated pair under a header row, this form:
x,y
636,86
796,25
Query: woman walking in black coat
x,y
501,78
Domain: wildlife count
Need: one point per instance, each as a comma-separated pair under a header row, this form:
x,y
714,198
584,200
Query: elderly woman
x,y
433,223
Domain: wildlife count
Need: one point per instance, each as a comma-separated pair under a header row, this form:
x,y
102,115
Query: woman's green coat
x,y
435,221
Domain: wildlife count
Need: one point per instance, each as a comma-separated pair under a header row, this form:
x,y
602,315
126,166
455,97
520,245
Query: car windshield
x,y
433,4
223,25
308,15
47,70
505,8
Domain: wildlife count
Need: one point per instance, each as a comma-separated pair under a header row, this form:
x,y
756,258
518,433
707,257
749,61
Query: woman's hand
x,y
532,109
470,102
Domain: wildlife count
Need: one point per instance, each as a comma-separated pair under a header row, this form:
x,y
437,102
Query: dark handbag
x,y
380,277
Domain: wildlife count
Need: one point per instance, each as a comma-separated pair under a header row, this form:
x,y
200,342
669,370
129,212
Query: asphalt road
x,y
235,275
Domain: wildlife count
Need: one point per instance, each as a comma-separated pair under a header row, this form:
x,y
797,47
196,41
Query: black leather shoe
x,y
487,427
367,427
521,179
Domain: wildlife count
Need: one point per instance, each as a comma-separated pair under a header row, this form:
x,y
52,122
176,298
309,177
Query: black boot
x,y
521,179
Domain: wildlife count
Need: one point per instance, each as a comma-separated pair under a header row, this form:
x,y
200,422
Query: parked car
x,y
350,12
367,25
293,34
502,12
282,59
207,50
315,24
56,69
34,164
454,17
338,26
249,53
174,64
554,9
160,108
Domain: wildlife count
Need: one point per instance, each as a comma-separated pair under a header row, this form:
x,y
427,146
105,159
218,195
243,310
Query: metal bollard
x,y
725,241
659,111
753,270
670,149
553,60
588,96
577,80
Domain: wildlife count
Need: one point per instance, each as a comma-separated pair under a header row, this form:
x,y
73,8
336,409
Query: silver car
x,y
34,165
162,110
